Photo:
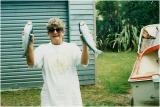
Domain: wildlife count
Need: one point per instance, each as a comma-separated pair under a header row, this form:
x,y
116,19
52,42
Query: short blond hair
x,y
55,22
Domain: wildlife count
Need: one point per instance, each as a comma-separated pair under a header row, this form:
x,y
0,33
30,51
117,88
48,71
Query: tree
x,y
141,13
119,22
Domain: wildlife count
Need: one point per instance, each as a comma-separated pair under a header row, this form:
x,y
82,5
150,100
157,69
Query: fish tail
x,y
97,53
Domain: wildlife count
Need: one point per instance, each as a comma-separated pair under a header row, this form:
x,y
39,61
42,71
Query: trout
x,y
88,38
28,29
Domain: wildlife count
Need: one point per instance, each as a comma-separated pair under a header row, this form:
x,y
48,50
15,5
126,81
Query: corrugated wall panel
x,y
14,70
78,11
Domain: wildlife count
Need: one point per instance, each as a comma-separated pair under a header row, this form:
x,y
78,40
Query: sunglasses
x,y
57,30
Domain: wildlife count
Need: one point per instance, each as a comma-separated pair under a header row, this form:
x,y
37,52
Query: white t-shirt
x,y
61,83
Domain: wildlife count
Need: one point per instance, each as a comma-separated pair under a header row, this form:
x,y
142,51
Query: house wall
x,y
14,15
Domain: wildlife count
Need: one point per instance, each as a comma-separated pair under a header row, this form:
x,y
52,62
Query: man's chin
x,y
56,40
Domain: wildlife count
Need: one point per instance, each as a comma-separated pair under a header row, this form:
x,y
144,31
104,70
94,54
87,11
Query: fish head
x,y
82,23
83,27
29,22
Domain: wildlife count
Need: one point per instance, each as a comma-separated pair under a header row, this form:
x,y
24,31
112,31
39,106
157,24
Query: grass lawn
x,y
111,88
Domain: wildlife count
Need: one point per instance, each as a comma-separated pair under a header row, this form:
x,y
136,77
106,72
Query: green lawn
x,y
111,88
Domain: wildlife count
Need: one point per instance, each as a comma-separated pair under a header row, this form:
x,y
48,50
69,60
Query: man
x,y
58,61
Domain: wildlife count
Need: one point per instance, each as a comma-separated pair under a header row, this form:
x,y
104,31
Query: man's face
x,y
56,35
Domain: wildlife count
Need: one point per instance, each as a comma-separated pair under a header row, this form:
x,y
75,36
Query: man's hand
x,y
85,53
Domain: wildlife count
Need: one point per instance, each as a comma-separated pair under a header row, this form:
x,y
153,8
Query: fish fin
x,y
97,53
80,29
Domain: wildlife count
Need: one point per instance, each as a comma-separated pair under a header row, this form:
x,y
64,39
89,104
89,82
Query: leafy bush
x,y
126,38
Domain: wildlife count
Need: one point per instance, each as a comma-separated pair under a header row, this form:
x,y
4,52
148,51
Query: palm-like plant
x,y
126,39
